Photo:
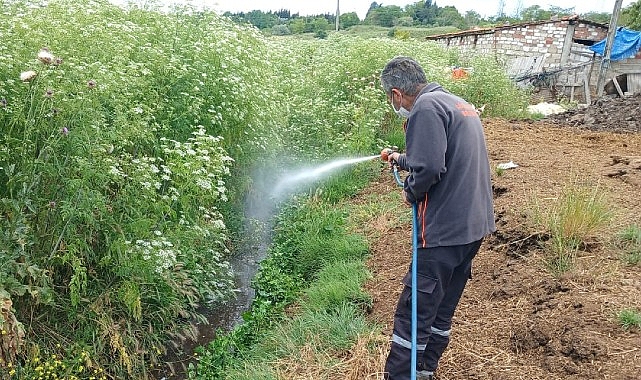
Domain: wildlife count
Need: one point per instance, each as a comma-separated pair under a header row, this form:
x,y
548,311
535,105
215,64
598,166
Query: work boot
x,y
425,375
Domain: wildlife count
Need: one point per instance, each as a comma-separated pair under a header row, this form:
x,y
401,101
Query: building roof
x,y
573,19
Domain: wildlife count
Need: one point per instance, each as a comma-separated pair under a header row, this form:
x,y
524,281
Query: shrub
x,y
281,30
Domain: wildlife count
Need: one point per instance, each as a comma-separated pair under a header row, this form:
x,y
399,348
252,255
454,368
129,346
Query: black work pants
x,y
442,273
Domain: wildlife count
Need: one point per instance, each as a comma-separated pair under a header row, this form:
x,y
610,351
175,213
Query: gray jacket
x,y
449,171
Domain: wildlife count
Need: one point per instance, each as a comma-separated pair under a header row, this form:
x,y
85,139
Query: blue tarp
x,y
626,44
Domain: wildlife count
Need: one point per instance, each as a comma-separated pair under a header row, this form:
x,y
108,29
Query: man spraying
x,y
449,180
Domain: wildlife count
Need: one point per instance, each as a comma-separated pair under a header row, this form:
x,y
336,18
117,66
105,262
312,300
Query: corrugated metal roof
x,y
493,29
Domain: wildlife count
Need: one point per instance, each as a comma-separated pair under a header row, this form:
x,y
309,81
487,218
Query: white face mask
x,y
402,112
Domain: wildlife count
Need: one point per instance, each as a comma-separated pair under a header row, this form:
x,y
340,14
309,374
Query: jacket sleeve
x,y
426,144
402,162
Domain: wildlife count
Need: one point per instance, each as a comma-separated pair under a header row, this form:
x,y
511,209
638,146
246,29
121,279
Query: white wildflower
x,y
219,224
203,183
115,171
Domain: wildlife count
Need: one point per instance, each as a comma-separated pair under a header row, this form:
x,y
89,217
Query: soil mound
x,y
609,113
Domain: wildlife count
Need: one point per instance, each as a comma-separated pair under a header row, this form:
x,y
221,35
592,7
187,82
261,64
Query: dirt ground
x,y
517,320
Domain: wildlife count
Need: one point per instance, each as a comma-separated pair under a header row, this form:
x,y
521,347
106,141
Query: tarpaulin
x,y
626,44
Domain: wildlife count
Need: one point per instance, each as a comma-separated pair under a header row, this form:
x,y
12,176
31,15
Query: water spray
x,y
289,181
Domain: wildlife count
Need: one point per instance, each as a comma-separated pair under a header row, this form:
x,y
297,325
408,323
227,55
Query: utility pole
x,y
338,13
605,61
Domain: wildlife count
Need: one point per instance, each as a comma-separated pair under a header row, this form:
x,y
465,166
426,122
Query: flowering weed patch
x,y
127,140
114,173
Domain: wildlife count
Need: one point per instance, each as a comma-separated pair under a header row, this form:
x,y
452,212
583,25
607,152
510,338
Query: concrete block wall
x,y
536,39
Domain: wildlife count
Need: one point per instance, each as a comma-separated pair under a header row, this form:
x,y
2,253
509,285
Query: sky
x,y
484,7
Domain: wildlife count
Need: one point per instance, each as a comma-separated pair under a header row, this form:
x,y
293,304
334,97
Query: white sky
x,y
306,7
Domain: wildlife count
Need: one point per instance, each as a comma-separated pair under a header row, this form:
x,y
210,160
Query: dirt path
x,y
516,320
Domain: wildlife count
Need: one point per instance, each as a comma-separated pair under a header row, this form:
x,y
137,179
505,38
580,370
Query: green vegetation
x,y
421,14
574,217
628,242
629,319
125,161
114,175
631,16
314,256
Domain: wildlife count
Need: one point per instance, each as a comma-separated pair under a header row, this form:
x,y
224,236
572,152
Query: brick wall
x,y
524,40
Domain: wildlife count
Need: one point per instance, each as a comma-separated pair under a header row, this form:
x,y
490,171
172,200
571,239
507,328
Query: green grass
x,y
336,284
629,319
628,242
316,267
314,338
576,215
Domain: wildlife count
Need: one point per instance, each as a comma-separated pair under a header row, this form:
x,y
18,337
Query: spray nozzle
x,y
387,152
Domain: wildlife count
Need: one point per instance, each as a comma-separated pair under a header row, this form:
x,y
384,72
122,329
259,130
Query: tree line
x,y
424,13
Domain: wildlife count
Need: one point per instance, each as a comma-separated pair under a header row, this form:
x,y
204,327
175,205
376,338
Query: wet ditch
x,y
220,317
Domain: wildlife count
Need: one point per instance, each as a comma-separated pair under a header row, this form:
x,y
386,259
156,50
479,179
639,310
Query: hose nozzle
x,y
385,153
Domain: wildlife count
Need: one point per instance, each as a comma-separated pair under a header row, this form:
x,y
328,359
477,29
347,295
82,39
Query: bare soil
x,y
517,319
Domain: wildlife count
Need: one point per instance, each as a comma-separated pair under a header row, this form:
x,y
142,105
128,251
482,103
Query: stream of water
x,y
245,263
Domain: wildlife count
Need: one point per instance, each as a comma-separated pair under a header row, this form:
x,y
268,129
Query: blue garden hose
x,y
414,281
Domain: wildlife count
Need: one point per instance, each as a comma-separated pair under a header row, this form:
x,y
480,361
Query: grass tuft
x,y
575,216
629,319
629,244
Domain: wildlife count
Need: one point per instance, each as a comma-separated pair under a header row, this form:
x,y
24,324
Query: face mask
x,y
402,112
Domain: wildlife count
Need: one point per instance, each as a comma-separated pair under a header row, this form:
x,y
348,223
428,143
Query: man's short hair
x,y
404,74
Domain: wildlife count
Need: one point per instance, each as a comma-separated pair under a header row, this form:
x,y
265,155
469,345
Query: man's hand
x,y
392,159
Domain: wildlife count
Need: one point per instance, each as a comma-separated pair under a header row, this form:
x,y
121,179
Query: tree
x,y
280,30
428,13
262,20
535,13
321,25
297,25
384,16
284,14
449,15
472,19
560,12
405,21
631,16
500,13
412,9
600,17
347,20
372,8
518,8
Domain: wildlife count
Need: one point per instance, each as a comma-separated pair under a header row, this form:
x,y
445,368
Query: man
x,y
449,180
